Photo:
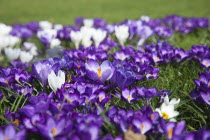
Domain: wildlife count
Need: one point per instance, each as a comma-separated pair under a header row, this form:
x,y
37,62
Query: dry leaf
x,y
130,135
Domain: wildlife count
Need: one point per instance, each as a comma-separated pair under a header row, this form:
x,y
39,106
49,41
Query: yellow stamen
x,y
170,133
129,97
206,64
59,107
157,58
100,99
165,116
69,100
142,128
78,66
6,139
99,73
208,84
7,82
54,132
16,122
130,128
152,117
86,100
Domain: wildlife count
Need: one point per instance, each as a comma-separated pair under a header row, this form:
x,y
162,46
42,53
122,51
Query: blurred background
x,y
65,11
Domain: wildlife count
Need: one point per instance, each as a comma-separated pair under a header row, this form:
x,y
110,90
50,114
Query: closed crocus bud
x,y
76,38
122,33
11,53
88,22
5,30
98,36
45,25
25,57
55,82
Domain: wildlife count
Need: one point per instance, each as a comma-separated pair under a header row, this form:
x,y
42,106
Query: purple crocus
x,y
98,72
41,71
11,134
52,128
142,125
129,95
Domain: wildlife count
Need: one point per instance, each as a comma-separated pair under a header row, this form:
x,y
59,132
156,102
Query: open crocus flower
x,y
206,63
128,95
56,82
142,125
167,109
98,72
122,33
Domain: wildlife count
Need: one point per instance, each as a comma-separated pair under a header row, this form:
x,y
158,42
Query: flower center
x,y
129,97
6,139
54,132
16,122
142,128
152,117
69,100
100,99
206,64
99,73
208,84
170,133
165,116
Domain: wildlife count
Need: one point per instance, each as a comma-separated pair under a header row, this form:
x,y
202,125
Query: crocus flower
x,y
98,72
52,128
56,82
11,134
5,29
88,22
45,25
11,53
25,57
129,95
122,33
98,36
76,37
206,63
167,109
143,125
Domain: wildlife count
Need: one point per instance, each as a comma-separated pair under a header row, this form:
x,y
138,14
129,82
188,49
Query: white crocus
x,y
122,33
76,38
173,101
5,29
88,22
31,47
86,42
25,57
167,109
12,53
58,27
55,82
45,25
99,36
145,18
55,43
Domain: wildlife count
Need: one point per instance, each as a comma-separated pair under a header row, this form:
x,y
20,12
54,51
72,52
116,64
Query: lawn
x,y
65,11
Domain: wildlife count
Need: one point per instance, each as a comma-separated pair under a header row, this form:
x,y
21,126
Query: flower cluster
x,y
81,82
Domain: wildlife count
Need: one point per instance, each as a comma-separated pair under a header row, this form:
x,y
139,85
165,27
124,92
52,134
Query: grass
x,y
65,11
